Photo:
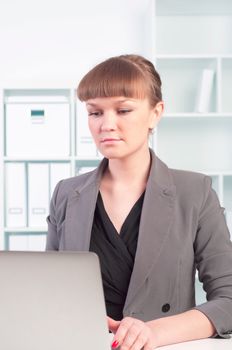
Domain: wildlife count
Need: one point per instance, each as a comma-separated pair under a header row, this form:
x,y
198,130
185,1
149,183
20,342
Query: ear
x,y
156,114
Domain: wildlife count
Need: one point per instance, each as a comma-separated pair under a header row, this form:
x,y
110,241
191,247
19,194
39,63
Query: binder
x,y
36,242
58,171
27,242
85,145
38,194
15,179
18,242
205,91
37,130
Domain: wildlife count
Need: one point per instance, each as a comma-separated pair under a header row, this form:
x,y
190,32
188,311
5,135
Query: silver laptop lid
x,y
51,301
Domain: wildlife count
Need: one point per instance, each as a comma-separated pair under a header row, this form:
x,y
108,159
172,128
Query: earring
x,y
151,131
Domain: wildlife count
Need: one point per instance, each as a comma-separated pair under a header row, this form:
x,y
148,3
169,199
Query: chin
x,y
111,154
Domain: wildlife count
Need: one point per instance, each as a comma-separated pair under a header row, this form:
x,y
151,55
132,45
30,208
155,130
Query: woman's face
x,y
120,125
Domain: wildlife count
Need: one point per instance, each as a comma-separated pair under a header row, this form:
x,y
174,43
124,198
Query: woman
x,y
151,226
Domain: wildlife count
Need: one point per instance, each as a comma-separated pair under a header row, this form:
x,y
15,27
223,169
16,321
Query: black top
x,y
116,253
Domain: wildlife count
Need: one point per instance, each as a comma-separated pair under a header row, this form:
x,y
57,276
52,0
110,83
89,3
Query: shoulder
x,y
191,186
66,187
71,187
77,181
184,181
188,187
189,179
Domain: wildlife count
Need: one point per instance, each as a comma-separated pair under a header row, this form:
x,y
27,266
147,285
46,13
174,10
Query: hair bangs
x,y
114,77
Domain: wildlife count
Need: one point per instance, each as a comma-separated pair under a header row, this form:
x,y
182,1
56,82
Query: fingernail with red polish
x,y
115,344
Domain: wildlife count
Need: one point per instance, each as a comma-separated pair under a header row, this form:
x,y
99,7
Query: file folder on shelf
x,y
37,242
58,171
37,130
85,145
18,242
27,242
15,180
38,194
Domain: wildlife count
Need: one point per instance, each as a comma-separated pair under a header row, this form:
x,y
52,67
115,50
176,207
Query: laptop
x,y
52,301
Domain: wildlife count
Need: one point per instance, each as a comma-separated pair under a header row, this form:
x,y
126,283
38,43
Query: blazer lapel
x,y
155,223
80,212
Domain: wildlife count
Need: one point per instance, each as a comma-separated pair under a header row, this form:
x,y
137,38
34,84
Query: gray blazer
x,y
182,228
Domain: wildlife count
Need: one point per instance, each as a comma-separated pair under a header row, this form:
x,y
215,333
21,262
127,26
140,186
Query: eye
x,y
124,111
95,114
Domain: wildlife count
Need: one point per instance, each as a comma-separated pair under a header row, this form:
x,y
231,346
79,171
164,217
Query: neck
x,y
131,170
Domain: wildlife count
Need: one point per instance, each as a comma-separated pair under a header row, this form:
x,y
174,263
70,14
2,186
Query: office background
x,y
46,47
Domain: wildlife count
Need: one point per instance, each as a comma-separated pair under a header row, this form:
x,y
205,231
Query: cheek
x,y
92,127
94,130
143,125
138,133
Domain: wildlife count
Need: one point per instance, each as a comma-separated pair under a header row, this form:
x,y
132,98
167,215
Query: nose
x,y
108,121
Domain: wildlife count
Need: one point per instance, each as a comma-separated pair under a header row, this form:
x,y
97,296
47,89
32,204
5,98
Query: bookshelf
x,y
40,145
191,38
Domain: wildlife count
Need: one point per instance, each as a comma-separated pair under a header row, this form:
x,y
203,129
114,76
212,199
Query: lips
x,y
109,139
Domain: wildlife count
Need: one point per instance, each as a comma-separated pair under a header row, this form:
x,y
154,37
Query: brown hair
x,y
125,75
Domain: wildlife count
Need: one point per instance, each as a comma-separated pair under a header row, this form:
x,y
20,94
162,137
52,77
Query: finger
x,y
141,340
112,324
134,336
122,330
149,346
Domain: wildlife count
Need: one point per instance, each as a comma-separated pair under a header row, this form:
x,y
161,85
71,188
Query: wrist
x,y
158,333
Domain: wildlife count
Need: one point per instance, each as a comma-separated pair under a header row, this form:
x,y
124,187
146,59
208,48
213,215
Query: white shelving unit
x,y
191,38
31,166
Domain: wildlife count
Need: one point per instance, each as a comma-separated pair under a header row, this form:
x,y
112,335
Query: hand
x,y
132,334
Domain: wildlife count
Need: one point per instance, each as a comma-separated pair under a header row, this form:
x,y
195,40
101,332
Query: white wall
x,y
48,43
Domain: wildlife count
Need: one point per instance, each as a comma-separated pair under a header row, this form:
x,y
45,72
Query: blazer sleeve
x,y
213,258
52,242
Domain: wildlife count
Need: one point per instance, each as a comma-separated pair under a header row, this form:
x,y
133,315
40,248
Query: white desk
x,y
204,344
